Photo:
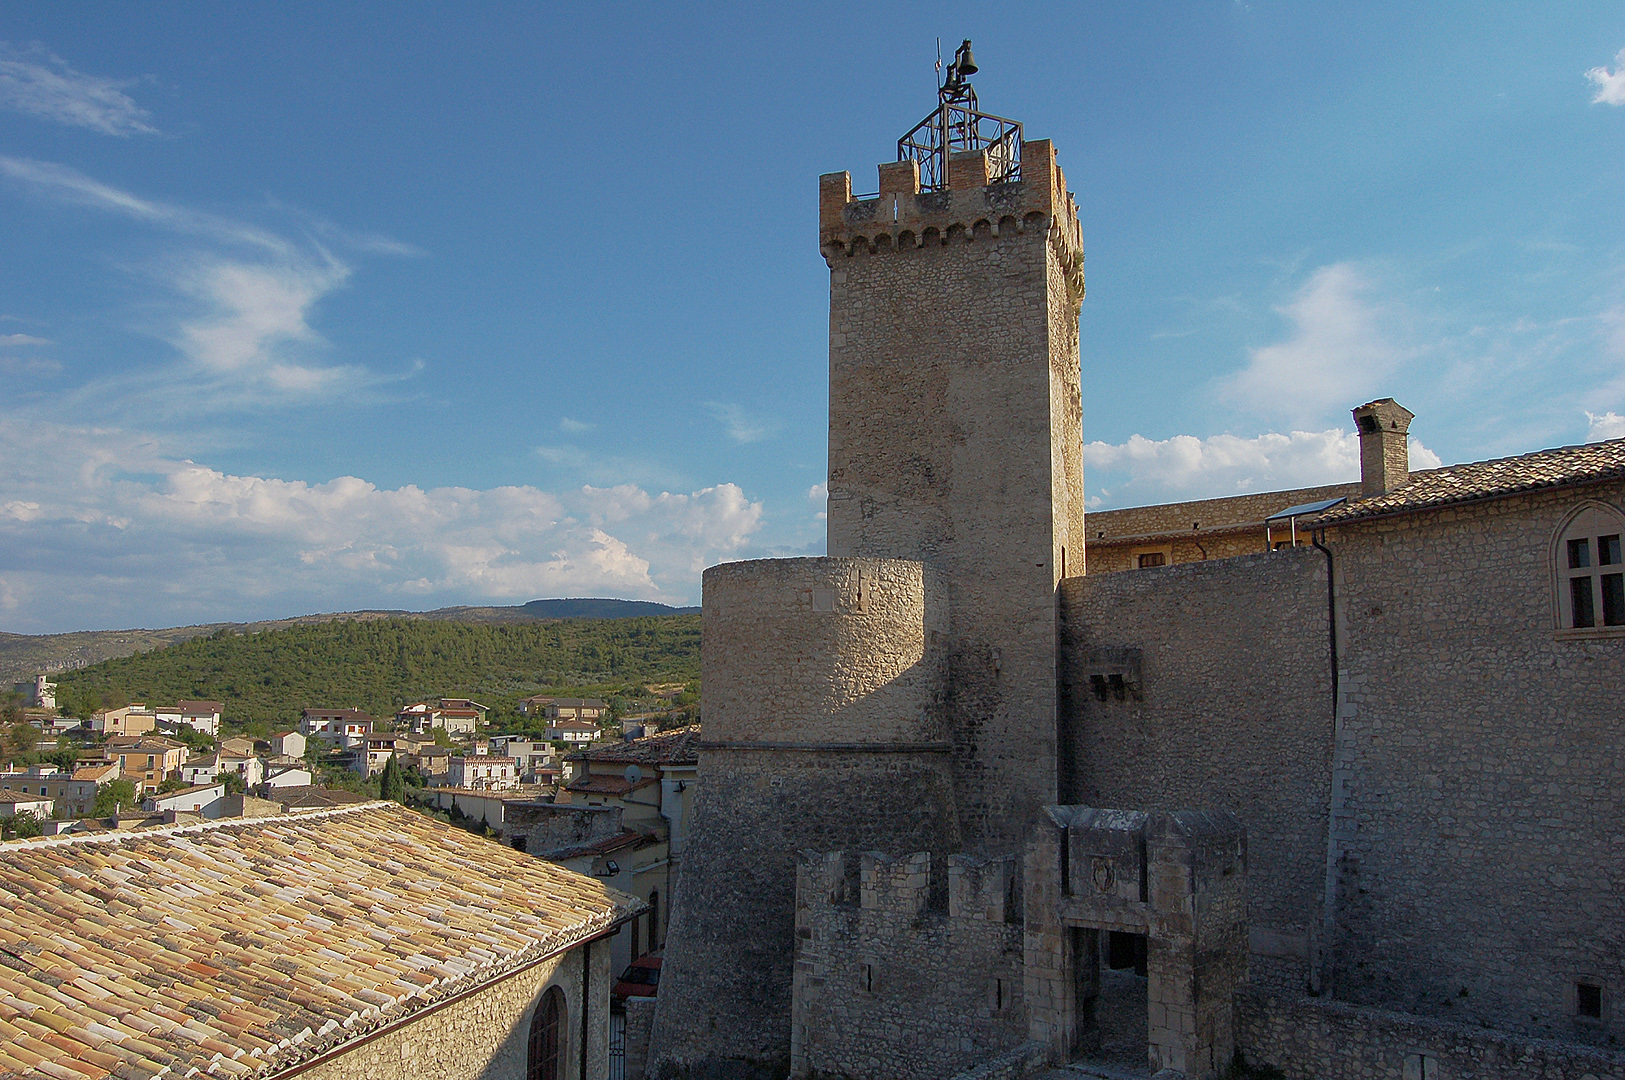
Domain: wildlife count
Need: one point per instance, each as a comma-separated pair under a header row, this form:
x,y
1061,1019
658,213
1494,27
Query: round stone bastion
x,y
832,650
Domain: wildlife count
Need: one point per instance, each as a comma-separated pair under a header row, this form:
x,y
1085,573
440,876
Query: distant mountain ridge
x,y
22,656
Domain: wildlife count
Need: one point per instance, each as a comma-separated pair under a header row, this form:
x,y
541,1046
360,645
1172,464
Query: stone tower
x,y
898,695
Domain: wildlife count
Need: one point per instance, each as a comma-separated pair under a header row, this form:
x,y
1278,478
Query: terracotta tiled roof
x,y
239,949
1488,479
679,746
626,838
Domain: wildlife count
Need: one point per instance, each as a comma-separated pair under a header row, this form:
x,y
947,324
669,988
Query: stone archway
x,y
1177,878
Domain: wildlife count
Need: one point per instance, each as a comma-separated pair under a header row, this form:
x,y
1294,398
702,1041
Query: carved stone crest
x,y
1101,869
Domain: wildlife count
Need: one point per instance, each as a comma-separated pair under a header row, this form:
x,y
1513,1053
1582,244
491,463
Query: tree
x,y
391,782
173,783
235,784
19,737
113,796
24,823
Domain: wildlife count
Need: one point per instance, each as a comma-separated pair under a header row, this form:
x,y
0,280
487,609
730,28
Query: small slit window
x,y
1587,1001
1591,572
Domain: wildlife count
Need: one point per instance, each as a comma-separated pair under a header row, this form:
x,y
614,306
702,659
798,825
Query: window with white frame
x,y
1590,571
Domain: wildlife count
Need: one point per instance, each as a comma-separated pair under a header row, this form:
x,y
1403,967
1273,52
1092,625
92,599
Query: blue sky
x,y
317,307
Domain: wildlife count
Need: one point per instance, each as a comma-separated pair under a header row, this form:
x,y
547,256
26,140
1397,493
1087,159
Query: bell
x,y
963,59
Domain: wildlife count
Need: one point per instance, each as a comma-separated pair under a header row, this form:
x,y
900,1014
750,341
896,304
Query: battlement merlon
x,y
968,201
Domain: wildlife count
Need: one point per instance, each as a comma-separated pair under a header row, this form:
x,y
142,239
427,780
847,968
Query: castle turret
x,y
899,695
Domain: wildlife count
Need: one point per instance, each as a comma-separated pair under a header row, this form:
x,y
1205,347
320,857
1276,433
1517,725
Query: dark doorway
x,y
1126,952
1112,1026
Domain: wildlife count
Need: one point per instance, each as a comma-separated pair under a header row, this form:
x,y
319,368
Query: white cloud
x,y
1608,425
741,427
241,302
1143,471
42,85
818,495
24,339
1610,84
1336,357
574,427
98,527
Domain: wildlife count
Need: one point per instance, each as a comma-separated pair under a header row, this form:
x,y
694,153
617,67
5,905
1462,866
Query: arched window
x,y
544,1060
1590,571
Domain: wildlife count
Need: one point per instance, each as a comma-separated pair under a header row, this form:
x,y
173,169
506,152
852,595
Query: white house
x,y
286,776
573,731
201,716
200,770
13,804
348,728
205,800
288,744
487,773
247,766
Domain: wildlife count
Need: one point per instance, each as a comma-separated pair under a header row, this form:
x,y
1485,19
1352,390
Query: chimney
x,y
1384,457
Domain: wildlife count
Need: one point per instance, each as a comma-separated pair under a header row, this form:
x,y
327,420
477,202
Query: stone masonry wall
x,y
824,650
724,1006
1310,1039
887,988
1477,836
485,1036
1217,679
955,438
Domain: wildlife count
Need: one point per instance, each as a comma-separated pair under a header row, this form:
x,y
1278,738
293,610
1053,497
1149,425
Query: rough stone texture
x,y
640,1015
485,1036
1476,834
886,987
1309,1039
824,651
1217,679
955,439
550,827
1179,879
724,1006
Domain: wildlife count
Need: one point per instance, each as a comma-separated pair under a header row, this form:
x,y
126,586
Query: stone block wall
x,y
1179,879
888,985
955,439
827,650
724,1006
1217,690
549,827
1476,835
485,1036
1310,1039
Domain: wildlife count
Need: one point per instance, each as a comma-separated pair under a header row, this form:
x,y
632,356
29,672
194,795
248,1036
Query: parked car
x,y
640,979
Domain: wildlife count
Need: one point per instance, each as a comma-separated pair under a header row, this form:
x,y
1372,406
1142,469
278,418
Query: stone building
x,y
1328,782
367,942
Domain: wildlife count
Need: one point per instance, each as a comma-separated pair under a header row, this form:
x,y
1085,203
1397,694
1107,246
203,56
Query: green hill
x,y
381,664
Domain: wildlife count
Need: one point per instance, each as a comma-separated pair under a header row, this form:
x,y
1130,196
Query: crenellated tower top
x,y
960,174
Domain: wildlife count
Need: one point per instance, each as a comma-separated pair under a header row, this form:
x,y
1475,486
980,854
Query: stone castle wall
x,y
955,438
888,987
1218,695
1311,1039
824,726
1477,836
824,651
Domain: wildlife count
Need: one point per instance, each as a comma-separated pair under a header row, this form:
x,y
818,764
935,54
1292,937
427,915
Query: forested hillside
x,y
381,664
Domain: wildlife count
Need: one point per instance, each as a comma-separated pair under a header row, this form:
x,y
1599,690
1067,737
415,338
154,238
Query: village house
x,y
204,800
70,793
573,731
133,719
343,728
14,803
557,708
476,961
483,773
201,716
278,777
147,760
289,744
371,758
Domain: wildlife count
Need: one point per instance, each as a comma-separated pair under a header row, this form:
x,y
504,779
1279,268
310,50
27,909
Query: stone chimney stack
x,y
1384,456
